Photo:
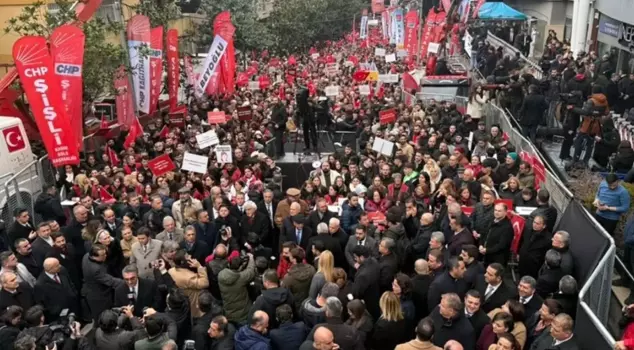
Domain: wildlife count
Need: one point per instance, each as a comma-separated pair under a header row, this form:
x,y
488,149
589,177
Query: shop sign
x,y
626,36
609,26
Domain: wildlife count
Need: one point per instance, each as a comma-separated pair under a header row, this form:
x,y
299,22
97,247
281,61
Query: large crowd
x,y
409,250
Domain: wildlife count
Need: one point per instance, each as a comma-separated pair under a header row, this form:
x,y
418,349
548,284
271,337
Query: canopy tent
x,y
499,11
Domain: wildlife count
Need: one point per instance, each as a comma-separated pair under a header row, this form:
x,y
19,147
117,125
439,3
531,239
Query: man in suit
x,y
238,210
561,335
321,214
527,296
93,209
360,237
136,291
475,269
111,223
287,228
170,231
495,291
198,250
14,292
462,236
300,234
473,311
25,256
72,232
43,244
388,264
98,288
366,280
497,246
21,227
254,221
450,281
55,290
205,230
534,243
267,206
145,252
420,287
330,243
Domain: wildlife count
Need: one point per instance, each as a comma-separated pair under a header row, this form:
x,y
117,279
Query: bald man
x,y
253,336
453,345
55,291
420,244
323,339
420,286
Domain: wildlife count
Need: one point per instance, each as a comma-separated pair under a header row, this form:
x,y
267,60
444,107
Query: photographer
x,y
111,335
233,282
10,323
191,277
590,130
43,333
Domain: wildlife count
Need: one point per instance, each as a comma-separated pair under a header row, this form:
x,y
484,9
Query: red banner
x,y
161,165
518,228
123,100
427,32
42,88
387,116
224,28
411,32
156,66
216,117
67,50
378,6
173,68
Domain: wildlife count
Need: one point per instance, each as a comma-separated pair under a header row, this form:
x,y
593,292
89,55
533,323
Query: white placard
x,y
332,90
470,138
388,78
433,48
207,139
224,154
379,52
254,85
332,68
364,90
315,55
390,58
216,50
348,64
525,211
401,53
383,146
195,163
373,22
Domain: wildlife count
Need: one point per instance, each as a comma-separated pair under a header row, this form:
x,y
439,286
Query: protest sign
x,y
245,113
390,58
332,68
332,90
387,116
161,165
379,52
216,117
433,48
207,139
195,163
364,90
373,22
401,53
224,154
383,146
315,55
177,119
388,78
254,85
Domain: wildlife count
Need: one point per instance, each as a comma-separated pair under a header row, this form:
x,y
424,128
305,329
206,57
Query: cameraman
x,y
590,131
111,336
233,282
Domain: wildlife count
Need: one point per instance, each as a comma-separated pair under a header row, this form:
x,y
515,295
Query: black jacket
x,y
548,281
17,230
206,233
420,243
98,287
532,110
147,296
624,159
8,336
533,247
458,329
72,233
200,329
498,242
346,336
478,321
68,262
472,273
498,298
546,210
388,267
50,208
482,218
289,336
56,297
609,144
258,224
199,250
269,300
31,263
532,307
330,243
420,289
23,297
312,314
366,286
445,283
388,334
314,220
41,249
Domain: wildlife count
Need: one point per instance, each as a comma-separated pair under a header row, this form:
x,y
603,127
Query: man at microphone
x,y
138,292
305,109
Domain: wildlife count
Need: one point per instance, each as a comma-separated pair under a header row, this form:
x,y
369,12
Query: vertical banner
x,y
477,7
384,26
189,70
363,30
411,32
42,88
224,28
212,61
426,36
392,25
139,36
67,50
400,28
123,99
156,65
173,68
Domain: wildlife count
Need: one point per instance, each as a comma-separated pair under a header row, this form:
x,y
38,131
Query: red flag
x,y
173,68
354,60
251,71
139,37
105,196
135,131
477,7
243,79
292,60
156,66
360,75
281,93
378,6
123,100
265,82
112,155
518,228
42,88
224,28
85,10
67,50
409,83
164,132
411,32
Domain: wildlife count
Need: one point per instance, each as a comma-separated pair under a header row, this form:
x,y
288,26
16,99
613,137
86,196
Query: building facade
x,y
616,31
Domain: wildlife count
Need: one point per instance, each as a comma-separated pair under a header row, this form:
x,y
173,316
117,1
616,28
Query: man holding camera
x,y
233,282
590,130
137,292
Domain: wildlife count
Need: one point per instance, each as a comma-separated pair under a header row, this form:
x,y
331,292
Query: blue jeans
x,y
579,146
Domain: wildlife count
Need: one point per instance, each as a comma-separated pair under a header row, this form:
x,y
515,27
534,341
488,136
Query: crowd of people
x,y
408,251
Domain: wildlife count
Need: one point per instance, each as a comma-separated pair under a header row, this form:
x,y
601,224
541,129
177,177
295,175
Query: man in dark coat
x,y
197,249
388,264
545,209
450,281
136,291
25,256
64,253
55,291
319,215
532,111
43,244
330,243
278,117
111,223
550,274
346,336
72,232
49,206
493,288
534,243
462,236
15,293
254,221
497,246
366,280
21,227
482,216
450,323
272,297
473,311
420,287
289,335
98,288
474,268
527,295
420,243
205,229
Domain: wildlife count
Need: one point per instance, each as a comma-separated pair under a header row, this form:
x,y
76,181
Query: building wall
x,y
618,9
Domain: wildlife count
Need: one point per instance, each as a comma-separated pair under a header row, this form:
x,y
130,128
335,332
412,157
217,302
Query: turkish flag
x,y
164,132
112,155
360,75
14,139
292,60
518,228
409,83
135,131
105,196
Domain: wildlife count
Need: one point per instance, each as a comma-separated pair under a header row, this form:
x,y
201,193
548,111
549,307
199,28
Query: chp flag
x,y
216,51
156,66
67,51
173,68
139,36
42,88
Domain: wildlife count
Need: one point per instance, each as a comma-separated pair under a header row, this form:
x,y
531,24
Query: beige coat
x,y
142,259
474,108
192,283
178,235
186,216
417,345
519,329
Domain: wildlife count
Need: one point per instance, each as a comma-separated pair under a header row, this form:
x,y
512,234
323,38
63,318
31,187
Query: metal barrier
x,y
21,191
510,50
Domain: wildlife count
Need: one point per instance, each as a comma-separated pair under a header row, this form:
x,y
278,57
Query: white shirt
x,y
135,289
48,240
51,276
491,289
557,342
215,212
527,299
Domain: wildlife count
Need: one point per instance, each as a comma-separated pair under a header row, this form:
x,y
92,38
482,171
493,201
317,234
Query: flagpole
x,y
420,34
124,44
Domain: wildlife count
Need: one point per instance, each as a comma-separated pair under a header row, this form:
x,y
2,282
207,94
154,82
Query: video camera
x,y
61,328
572,98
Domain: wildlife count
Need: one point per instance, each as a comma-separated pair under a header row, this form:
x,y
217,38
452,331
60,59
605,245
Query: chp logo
x,y
13,138
70,70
